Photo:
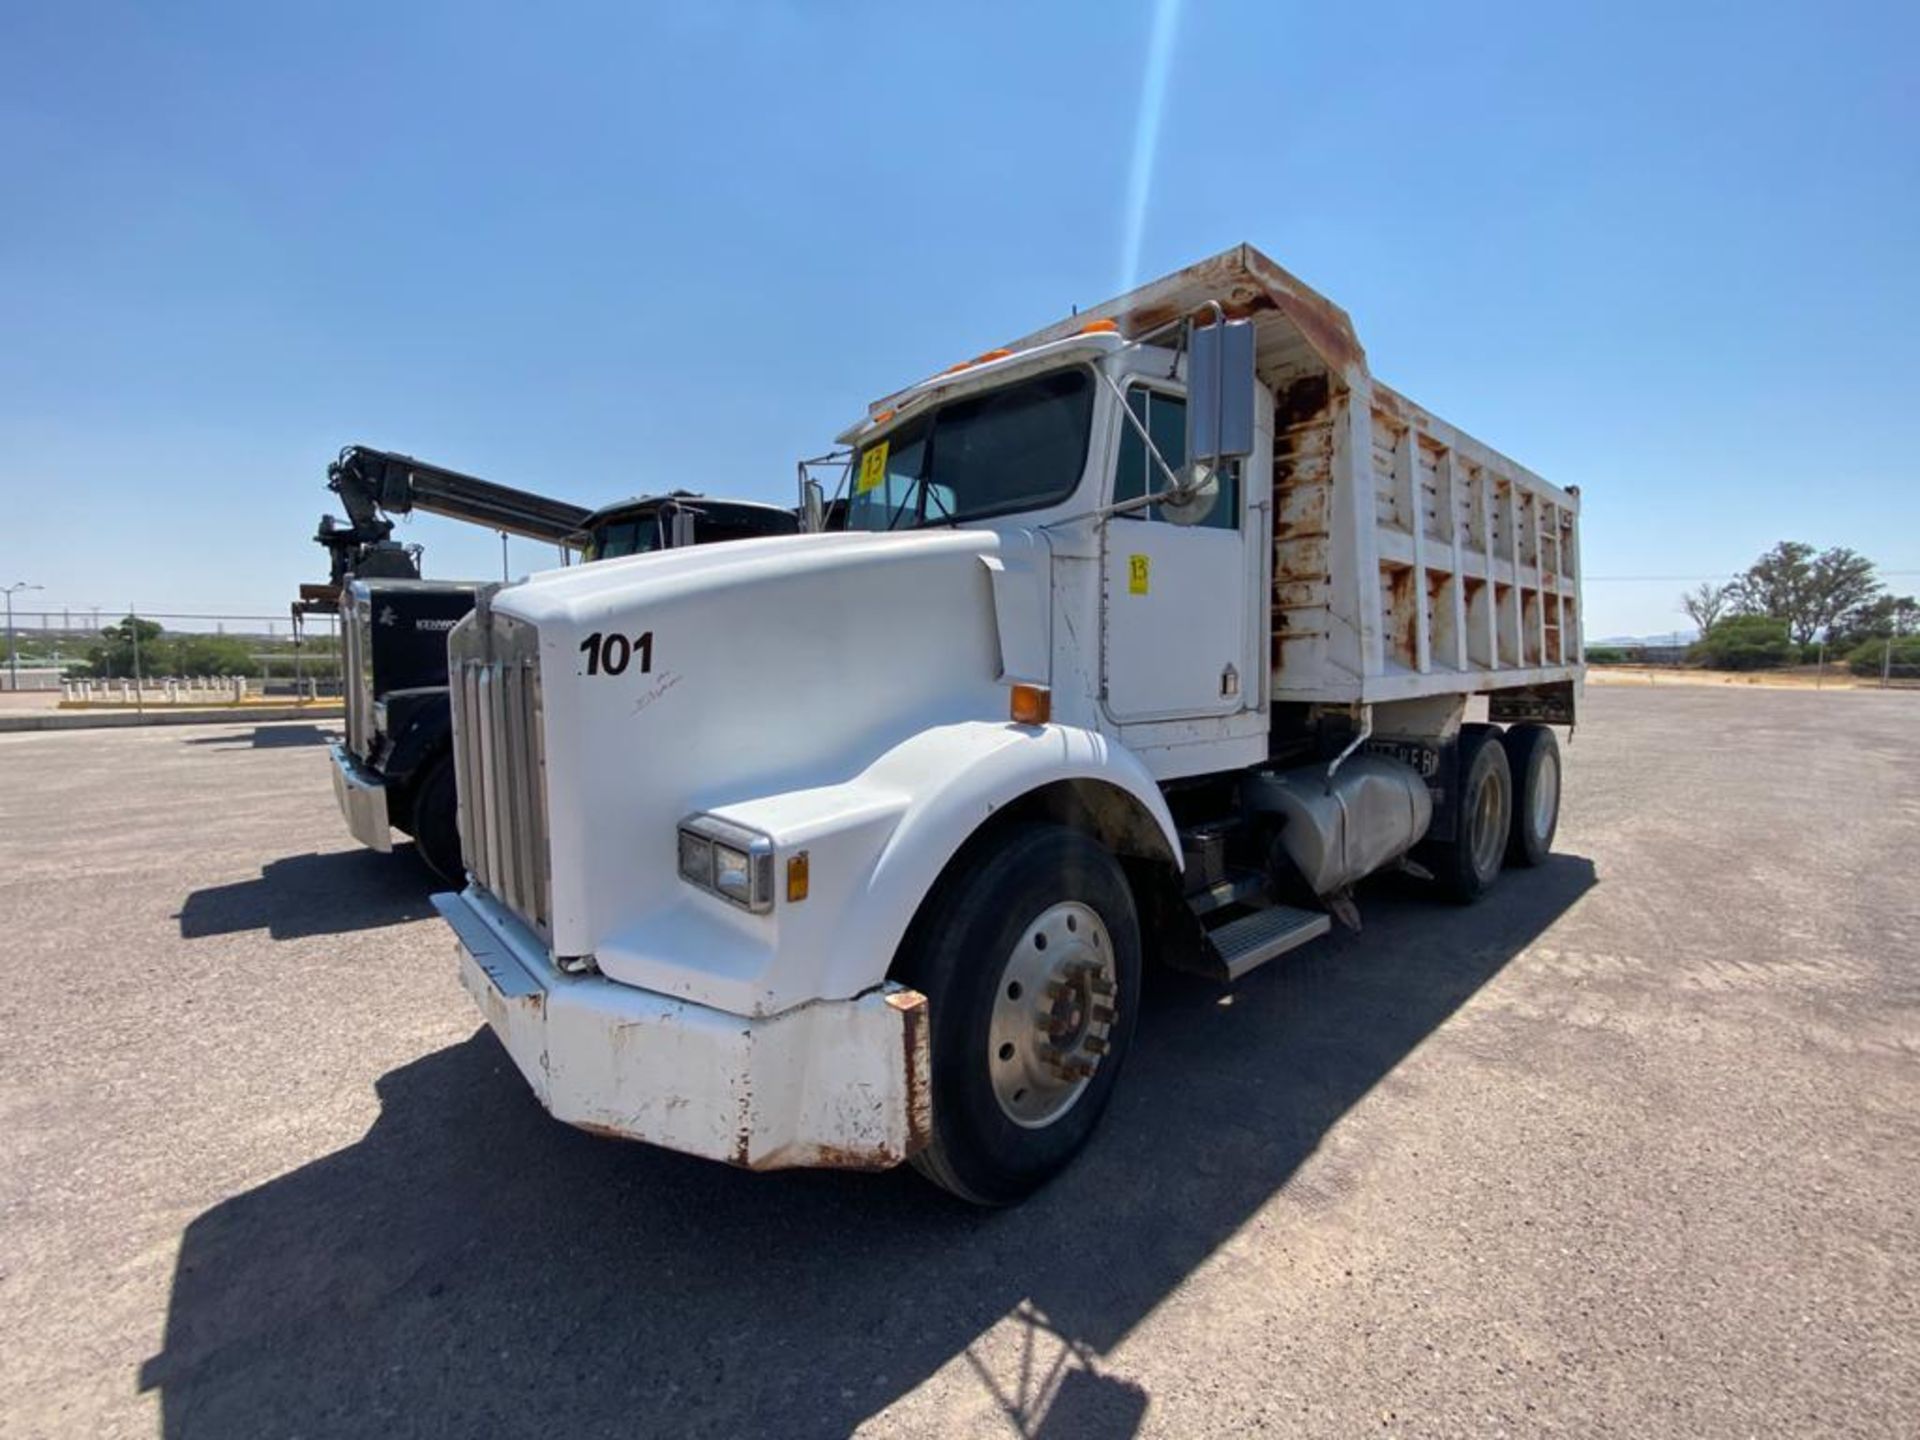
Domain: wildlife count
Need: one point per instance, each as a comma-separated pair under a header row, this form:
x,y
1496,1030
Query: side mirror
x,y
681,523
813,509
1220,392
1192,500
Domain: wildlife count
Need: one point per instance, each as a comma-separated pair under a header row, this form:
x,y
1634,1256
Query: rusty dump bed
x,y
1409,559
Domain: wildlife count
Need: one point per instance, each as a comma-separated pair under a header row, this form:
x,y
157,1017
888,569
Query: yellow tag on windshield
x,y
873,468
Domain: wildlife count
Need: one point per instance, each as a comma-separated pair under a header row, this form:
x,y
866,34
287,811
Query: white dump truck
x,y
1149,636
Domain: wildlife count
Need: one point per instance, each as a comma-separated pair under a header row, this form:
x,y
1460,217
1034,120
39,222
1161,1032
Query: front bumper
x,y
839,1083
363,799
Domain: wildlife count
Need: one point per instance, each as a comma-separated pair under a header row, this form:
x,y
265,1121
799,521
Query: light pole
x,y
13,659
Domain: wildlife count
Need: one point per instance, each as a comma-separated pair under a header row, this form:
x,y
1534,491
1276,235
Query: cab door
x,y
1175,638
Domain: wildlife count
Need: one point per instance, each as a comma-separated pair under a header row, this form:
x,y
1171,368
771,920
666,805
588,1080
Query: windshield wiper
x,y
923,491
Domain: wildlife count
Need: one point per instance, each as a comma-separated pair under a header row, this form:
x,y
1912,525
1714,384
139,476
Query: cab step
x,y
1236,887
1262,935
1258,928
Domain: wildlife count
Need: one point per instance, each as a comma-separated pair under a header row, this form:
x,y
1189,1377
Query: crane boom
x,y
373,484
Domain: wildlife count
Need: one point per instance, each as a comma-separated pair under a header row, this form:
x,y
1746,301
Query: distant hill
x,y
1671,637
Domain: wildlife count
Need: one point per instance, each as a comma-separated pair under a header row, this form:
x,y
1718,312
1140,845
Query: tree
x,y
1810,591
114,654
1878,656
1745,642
1706,604
1885,617
210,655
1843,581
1776,583
164,654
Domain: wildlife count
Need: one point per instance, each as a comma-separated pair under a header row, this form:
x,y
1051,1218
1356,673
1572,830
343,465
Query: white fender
x,y
875,846
968,772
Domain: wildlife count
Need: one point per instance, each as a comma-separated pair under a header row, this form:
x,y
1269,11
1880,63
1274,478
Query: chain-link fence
x,y
1897,662
1883,663
167,657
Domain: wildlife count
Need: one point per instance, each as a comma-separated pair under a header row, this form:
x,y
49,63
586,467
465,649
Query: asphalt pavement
x,y
1631,1148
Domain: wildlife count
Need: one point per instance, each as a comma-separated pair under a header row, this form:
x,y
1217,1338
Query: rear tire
x,y
436,822
1467,865
1533,754
1030,961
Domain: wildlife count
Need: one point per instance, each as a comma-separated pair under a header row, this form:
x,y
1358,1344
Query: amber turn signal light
x,y
1031,705
797,877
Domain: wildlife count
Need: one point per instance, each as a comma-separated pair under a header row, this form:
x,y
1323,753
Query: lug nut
x,y
1102,1014
1094,1045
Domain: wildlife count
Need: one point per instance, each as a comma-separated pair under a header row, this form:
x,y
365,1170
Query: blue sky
x,y
1666,253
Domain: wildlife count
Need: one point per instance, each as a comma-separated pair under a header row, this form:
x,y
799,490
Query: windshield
x,y
624,537
1016,448
713,522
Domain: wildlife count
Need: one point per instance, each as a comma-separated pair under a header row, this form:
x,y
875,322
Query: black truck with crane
x,y
394,768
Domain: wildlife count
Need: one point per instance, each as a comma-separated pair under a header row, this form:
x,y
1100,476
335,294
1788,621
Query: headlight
x,y
696,859
727,860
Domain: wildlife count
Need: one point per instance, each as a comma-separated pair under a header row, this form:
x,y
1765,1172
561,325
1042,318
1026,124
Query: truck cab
x,y
661,522
394,768
390,770
1150,636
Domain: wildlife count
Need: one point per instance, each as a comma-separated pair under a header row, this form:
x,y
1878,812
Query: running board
x,y
1241,887
1254,939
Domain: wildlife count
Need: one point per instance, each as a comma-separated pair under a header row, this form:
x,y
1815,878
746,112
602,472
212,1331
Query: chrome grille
x,y
500,764
356,661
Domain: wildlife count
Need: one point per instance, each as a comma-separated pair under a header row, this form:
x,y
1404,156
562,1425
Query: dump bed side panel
x,y
1303,641
1410,559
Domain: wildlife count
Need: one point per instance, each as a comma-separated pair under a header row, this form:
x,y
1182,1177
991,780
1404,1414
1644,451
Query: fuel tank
x,y
1373,811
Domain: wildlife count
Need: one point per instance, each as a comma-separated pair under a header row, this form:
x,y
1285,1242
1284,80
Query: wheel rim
x,y
1488,833
1053,1013
1546,794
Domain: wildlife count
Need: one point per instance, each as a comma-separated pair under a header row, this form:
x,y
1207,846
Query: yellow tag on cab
x,y
873,469
1136,574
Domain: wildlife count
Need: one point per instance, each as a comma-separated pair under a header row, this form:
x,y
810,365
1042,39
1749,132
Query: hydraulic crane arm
x,y
374,484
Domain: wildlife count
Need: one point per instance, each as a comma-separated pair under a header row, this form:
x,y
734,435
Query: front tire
x,y
1030,961
436,822
1467,865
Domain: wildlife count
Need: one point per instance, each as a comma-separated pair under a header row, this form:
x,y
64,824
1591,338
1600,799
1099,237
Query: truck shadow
x,y
300,895
269,737
471,1267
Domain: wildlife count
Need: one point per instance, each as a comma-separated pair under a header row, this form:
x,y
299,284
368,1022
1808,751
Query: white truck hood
x,y
756,667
